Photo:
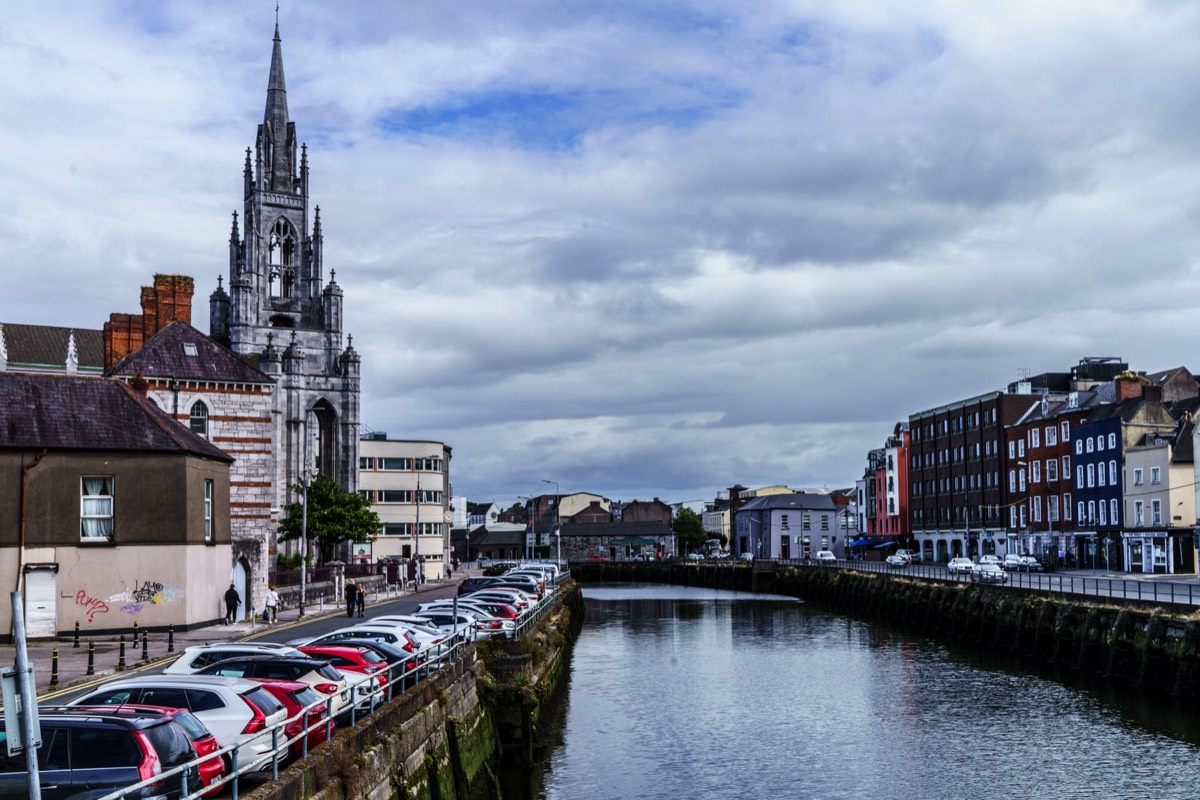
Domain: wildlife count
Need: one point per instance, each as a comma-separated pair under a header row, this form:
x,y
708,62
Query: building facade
x,y
281,312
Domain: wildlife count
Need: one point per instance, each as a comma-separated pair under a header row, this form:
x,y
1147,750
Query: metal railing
x,y
1158,590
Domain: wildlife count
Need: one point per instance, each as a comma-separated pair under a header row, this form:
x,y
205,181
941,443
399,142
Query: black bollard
x,y
121,655
170,638
54,667
76,644
91,670
145,645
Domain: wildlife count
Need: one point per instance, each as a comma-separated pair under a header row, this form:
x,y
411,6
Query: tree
x,y
689,530
335,516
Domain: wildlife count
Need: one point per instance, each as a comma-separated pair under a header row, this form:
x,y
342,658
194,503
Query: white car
x,y
199,656
989,573
1013,562
990,559
236,710
961,566
826,557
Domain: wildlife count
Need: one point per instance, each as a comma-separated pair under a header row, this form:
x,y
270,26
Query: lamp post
x,y
557,531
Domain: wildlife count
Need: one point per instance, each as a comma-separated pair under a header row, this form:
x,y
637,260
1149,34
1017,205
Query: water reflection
x,y
682,692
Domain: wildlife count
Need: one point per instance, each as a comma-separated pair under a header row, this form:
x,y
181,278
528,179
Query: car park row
x,y
227,709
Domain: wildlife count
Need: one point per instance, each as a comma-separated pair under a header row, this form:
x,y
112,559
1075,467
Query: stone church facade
x,y
281,314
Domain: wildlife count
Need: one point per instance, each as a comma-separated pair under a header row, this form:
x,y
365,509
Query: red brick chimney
x,y
1129,387
168,300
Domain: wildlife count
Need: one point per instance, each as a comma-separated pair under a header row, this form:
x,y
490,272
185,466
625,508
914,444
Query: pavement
x,y
162,649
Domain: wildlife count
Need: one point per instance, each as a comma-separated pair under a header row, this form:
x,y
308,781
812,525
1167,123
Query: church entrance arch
x,y
241,582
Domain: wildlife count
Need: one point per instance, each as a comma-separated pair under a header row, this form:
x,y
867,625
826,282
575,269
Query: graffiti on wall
x,y
91,605
144,593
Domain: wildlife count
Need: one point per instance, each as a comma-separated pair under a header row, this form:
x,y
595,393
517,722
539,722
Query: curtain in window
x,y
96,508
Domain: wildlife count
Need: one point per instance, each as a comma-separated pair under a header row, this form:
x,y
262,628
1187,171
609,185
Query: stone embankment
x,y
1153,647
452,735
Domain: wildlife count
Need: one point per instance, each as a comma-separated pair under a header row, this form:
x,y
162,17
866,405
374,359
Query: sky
x,y
641,249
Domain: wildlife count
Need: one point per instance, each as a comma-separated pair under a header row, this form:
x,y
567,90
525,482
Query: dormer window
x,y
189,349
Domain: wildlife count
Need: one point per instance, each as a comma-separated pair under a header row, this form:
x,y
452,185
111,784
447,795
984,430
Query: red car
x,y
350,659
295,696
203,742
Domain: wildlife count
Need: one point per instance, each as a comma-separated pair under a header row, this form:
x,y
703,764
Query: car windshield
x,y
171,744
264,700
193,727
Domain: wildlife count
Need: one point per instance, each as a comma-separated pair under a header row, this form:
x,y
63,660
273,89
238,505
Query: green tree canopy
x,y
689,529
335,516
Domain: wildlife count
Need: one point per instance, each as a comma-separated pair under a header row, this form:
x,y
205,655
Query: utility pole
x,y
26,700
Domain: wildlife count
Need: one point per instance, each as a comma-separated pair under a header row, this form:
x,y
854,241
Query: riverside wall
x,y
1153,647
450,736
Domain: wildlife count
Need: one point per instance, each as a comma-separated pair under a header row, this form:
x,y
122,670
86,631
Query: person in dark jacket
x,y
360,599
351,595
232,601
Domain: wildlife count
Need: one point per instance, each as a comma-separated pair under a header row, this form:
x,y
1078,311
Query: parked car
x,y
990,573
87,752
826,557
499,567
317,673
295,697
695,557
199,656
961,566
991,559
203,742
476,582
1012,562
913,556
1031,564
349,658
236,710
895,560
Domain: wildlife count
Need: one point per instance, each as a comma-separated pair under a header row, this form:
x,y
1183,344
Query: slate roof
x,y
163,356
45,346
67,412
809,501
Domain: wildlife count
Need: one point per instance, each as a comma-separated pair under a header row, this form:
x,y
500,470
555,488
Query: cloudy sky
x,y
644,249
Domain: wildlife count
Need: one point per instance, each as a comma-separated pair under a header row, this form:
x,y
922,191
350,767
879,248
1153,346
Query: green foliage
x,y
335,516
689,529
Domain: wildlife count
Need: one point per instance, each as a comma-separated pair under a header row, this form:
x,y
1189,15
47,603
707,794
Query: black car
x,y
499,567
85,751
475,583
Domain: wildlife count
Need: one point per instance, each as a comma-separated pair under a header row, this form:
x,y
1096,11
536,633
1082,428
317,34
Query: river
x,y
678,692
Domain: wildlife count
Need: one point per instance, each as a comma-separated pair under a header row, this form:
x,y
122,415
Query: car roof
x,y
132,721
193,681
235,645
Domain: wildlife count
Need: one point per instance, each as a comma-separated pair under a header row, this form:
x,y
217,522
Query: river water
x,y
677,692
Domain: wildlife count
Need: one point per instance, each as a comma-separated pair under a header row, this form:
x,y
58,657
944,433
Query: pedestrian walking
x,y
232,601
360,599
271,612
351,596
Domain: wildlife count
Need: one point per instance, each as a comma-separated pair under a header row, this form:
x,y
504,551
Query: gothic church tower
x,y
279,312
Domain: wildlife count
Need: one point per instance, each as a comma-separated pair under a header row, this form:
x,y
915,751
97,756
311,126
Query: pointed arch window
x,y
281,259
198,419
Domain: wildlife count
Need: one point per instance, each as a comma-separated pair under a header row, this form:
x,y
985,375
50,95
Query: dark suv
x,y
85,751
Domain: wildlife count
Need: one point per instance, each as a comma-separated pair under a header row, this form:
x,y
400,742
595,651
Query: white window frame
x,y
208,507
1112,505
198,419
1051,469
1103,513
1139,513
1112,472
1112,441
96,507
1036,475
1035,438
1051,436
1137,476
1156,512
1156,475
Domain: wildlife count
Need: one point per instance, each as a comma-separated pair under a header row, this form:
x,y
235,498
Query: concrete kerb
x,y
72,661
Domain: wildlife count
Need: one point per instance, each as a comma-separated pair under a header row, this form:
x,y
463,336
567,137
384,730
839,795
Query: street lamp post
x,y
557,531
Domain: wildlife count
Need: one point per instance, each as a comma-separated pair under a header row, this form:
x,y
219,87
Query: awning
x,y
885,544
860,543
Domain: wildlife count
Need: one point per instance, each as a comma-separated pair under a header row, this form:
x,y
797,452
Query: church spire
x,y
276,125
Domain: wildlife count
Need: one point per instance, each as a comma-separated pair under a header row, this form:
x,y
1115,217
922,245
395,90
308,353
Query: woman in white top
x,y
272,609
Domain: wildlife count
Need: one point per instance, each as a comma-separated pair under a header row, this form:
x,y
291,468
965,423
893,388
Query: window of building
x,y
1103,514
395,464
189,350
1012,518
1012,480
1012,449
1139,515
1021,479
1020,448
1112,504
1067,505
1099,443
1066,465
1081,512
429,464
1052,508
1051,436
395,496
783,521
1066,430
1035,437
1036,467
1112,472
1091,444
198,419
1079,447
1112,441
1051,469
1091,475
824,522
368,494
1037,509
366,462
1156,512
208,520
1137,476
96,507
1022,520
1091,512
397,529
1155,475
1100,477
